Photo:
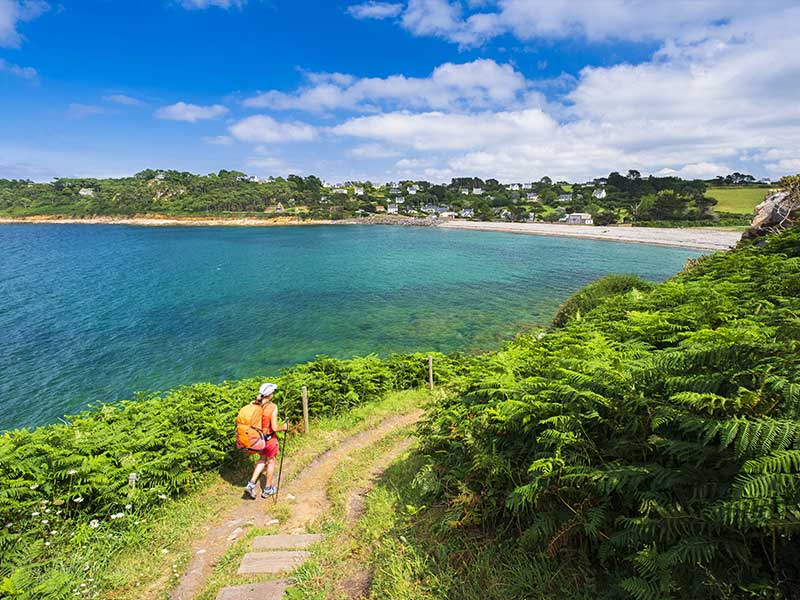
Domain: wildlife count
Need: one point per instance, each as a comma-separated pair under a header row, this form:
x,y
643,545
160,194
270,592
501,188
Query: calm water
x,y
98,312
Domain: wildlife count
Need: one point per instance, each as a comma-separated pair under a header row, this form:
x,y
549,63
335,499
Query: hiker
x,y
261,418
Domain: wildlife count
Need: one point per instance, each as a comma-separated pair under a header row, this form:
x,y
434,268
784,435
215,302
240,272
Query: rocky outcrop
x,y
778,210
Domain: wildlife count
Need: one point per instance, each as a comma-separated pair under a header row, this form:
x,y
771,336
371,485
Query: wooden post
x,y
305,409
430,371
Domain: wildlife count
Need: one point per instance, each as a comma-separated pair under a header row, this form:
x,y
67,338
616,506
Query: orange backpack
x,y
248,428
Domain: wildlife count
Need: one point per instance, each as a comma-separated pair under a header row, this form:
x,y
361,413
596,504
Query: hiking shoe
x,y
250,489
268,491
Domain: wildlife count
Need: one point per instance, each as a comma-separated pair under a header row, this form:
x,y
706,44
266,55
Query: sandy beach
x,y
703,238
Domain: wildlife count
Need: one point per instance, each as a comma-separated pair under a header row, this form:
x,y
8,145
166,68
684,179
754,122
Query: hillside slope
x,y
649,448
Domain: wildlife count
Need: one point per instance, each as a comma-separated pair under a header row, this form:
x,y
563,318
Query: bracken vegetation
x,y
68,489
649,447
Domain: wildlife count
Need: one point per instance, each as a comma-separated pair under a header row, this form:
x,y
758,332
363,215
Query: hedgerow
x,y
64,484
657,437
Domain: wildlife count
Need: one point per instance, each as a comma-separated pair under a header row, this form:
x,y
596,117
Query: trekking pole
x,y
280,468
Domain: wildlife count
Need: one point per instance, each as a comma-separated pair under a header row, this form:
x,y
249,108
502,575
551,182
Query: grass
x,y
739,200
341,552
129,568
416,553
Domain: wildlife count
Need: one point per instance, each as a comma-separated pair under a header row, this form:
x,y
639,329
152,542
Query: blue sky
x,y
514,89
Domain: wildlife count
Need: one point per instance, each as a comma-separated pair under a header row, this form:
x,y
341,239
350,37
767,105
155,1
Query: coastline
x,y
702,238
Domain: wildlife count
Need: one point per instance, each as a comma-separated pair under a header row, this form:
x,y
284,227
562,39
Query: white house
x,y
86,192
514,187
533,196
279,208
599,193
565,198
477,191
412,189
465,191
392,209
400,200
531,217
527,186
339,190
394,191
433,208
358,191
466,213
580,219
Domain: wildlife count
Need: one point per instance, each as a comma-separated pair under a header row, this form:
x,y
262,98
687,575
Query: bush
x,y
596,292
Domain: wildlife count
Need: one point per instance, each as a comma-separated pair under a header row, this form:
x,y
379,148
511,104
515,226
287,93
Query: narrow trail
x,y
309,487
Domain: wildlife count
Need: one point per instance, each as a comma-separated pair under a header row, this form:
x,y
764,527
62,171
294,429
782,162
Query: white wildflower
x,y
162,496
118,515
94,523
128,507
164,551
8,525
34,486
47,543
54,532
45,521
47,510
78,500
71,472
35,514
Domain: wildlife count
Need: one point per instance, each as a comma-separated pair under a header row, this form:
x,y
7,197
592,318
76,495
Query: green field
x,y
740,200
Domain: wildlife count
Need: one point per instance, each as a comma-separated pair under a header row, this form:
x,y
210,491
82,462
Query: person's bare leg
x,y
259,468
270,471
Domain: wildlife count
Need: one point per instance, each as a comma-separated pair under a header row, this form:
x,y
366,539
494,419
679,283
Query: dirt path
x,y
309,488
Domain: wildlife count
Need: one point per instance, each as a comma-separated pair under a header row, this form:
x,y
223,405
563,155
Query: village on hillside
x,y
615,199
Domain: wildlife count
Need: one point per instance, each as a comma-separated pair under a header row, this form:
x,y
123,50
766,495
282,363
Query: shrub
x,y
596,292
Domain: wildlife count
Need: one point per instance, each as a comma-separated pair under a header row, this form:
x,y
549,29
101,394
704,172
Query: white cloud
x,y
124,100
372,151
219,140
14,12
204,4
375,10
708,102
696,171
449,131
265,129
593,20
81,111
479,84
191,113
28,73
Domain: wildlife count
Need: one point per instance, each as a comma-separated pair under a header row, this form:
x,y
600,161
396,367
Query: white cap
x,y
266,389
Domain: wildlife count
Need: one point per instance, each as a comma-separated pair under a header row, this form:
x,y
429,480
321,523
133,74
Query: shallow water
x,y
98,312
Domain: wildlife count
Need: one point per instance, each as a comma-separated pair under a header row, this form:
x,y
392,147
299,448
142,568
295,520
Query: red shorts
x,y
271,450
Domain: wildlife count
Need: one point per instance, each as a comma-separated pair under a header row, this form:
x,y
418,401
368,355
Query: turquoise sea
x,y
95,312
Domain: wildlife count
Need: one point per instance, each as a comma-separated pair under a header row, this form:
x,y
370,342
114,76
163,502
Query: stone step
x,y
272,562
267,590
285,541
